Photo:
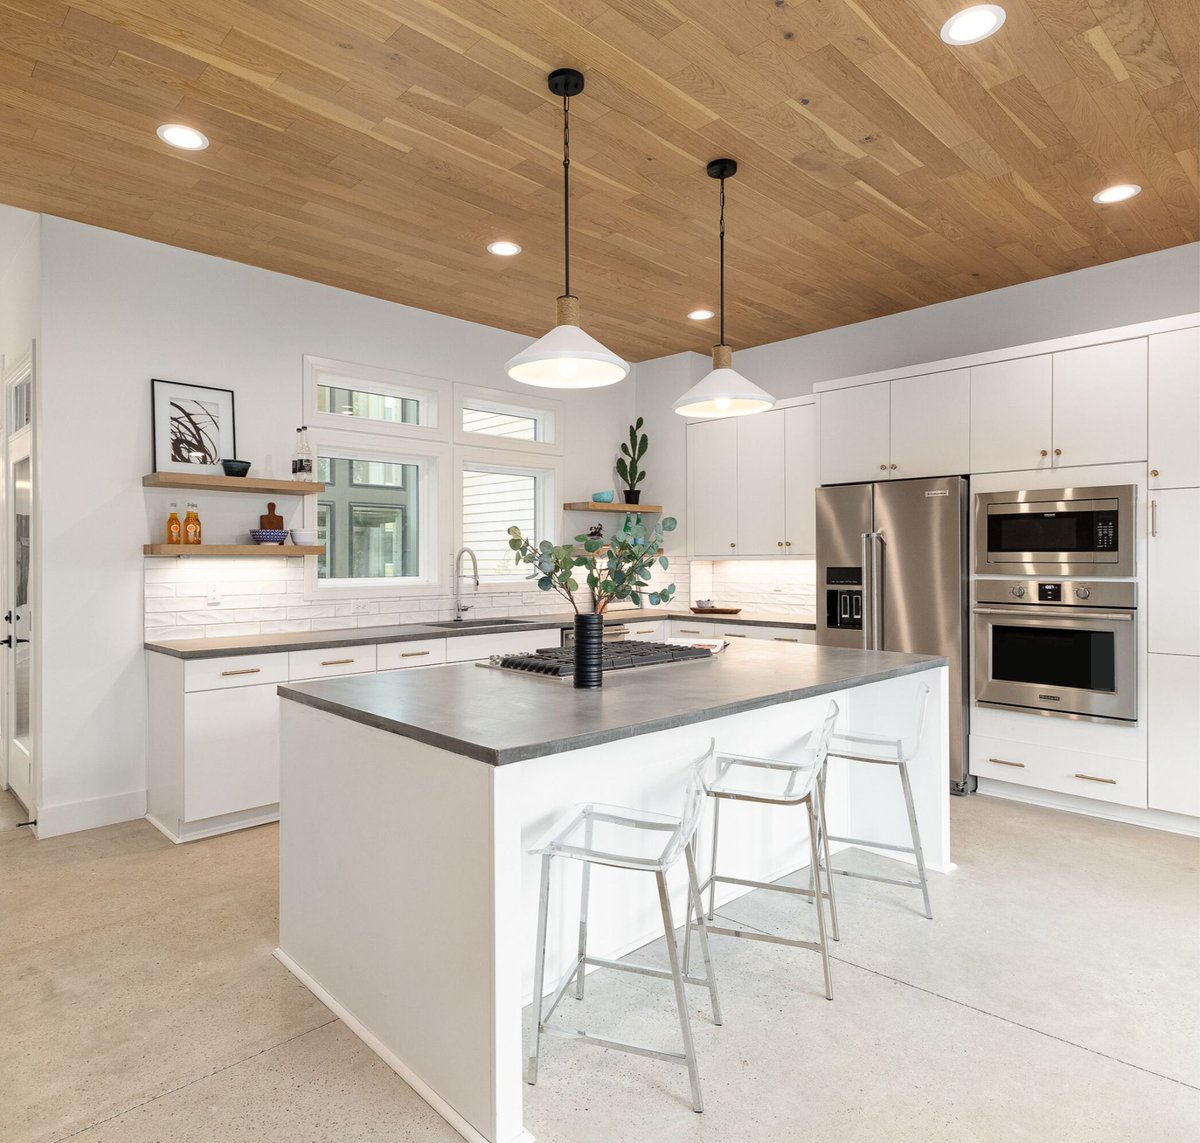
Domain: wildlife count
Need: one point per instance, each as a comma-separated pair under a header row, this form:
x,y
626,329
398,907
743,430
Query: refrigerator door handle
x,y
876,591
868,591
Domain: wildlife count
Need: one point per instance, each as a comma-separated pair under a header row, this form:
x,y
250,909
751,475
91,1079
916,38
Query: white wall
x,y
1159,285
120,310
20,281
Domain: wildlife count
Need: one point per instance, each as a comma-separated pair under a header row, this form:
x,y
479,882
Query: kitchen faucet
x,y
459,607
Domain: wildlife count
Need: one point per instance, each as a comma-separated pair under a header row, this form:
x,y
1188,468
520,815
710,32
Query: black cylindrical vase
x,y
589,643
632,495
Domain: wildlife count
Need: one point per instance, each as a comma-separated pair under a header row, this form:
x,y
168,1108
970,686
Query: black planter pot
x,y
633,495
589,642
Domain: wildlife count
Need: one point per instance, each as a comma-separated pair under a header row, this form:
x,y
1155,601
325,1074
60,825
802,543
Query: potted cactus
x,y
628,463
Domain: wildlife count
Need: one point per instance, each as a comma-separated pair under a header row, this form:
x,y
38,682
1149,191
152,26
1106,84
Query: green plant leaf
x,y
515,531
662,562
669,524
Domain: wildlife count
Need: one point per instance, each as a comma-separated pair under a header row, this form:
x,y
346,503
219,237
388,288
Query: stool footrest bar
x,y
561,990
766,937
873,844
619,1045
643,969
873,877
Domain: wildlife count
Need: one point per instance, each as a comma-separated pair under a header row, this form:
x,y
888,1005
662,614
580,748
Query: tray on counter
x,y
715,610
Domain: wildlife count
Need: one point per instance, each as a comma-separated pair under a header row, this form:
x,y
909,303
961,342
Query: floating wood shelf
x,y
602,551
595,506
233,550
232,484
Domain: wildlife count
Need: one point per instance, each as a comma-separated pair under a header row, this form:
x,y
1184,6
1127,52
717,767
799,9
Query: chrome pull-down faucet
x,y
461,608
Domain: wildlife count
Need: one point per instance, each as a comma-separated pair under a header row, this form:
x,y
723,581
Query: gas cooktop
x,y
559,662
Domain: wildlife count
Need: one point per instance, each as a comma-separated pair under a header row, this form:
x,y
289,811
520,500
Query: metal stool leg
x,y
685,1023
916,836
694,900
814,852
823,834
539,974
585,885
712,869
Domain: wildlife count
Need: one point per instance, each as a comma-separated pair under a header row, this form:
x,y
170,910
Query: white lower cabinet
x,y
1173,698
647,631
702,629
416,653
715,629
468,648
1086,775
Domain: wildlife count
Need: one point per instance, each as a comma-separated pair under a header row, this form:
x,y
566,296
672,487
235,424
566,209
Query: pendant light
x,y
724,392
567,358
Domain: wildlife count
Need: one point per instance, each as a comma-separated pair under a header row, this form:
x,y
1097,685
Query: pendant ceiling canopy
x,y
567,357
724,392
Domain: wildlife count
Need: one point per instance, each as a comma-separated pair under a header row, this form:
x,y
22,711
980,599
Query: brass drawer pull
x,y
243,671
690,631
1092,778
784,639
645,631
412,654
734,635
1006,762
335,662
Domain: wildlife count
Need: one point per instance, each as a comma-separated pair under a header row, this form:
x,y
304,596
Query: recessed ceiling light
x,y
973,24
504,249
701,315
185,138
1118,193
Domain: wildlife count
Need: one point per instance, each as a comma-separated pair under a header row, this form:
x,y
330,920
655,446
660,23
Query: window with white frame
x,y
492,418
498,492
342,396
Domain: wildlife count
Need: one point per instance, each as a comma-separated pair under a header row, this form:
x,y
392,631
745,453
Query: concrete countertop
x,y
499,716
219,647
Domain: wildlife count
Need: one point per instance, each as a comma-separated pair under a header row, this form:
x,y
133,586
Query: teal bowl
x,y
603,497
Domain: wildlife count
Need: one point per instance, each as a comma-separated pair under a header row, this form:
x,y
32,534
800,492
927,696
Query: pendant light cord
x,y
566,196
722,239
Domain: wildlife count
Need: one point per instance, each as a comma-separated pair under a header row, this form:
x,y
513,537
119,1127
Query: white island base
x,y
408,900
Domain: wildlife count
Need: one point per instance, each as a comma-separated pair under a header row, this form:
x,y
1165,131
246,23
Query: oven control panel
x,y
1059,593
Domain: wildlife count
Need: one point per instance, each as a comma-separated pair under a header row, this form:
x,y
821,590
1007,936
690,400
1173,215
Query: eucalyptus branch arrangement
x,y
615,569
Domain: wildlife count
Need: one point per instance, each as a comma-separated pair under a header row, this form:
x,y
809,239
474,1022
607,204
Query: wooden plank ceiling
x,y
378,145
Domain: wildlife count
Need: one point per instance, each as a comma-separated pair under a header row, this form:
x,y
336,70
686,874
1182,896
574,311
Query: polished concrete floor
x,y
1054,997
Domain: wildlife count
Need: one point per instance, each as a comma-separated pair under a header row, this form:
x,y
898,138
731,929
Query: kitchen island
x,y
409,802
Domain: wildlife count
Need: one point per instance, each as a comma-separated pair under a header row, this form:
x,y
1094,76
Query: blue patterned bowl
x,y
268,535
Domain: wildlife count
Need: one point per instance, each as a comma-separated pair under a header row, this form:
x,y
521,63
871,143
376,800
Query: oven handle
x,y
1055,612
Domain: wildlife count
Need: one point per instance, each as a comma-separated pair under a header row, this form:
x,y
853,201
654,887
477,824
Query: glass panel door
x,y
19,621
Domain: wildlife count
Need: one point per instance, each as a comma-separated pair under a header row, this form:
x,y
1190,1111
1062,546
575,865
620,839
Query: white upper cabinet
x,y
856,433
1100,404
1011,409
930,425
712,461
1173,606
801,447
760,485
1173,458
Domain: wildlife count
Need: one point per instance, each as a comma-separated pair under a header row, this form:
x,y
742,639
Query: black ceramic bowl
x,y
235,467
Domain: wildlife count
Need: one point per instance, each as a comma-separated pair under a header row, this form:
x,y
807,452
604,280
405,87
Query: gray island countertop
x,y
498,716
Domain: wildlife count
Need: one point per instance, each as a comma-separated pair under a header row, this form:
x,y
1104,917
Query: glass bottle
x,y
302,458
174,528
191,525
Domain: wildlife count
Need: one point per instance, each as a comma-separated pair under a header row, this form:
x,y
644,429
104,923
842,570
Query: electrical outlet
x,y
359,607
214,595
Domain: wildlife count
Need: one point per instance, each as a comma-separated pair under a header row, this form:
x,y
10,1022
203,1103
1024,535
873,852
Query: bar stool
x,y
882,750
624,839
779,783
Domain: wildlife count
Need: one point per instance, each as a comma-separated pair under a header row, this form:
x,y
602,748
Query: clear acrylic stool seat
x,y
777,782
629,839
883,750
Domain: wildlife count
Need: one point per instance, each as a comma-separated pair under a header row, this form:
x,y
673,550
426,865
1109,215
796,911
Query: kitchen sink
x,y
458,624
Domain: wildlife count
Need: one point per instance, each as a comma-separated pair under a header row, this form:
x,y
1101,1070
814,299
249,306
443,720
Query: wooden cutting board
x,y
271,519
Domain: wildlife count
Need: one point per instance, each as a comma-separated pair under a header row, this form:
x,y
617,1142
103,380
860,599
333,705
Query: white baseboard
x,y
212,827
393,1061
1088,807
71,817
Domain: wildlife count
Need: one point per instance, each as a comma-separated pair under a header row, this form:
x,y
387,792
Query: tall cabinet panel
x,y
760,485
1174,409
801,447
1173,607
712,460
931,417
855,434
1174,734
1011,403
1100,404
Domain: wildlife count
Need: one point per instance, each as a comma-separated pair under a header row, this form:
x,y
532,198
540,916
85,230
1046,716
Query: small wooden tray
x,y
714,610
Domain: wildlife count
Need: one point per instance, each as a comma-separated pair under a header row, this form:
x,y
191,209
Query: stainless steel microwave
x,y
1056,531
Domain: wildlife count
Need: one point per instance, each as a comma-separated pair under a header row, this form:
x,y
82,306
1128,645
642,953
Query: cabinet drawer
x,y
325,663
237,671
682,628
467,648
1107,779
651,631
417,653
781,634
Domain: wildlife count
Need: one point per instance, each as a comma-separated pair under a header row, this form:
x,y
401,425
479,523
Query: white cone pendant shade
x,y
567,358
724,392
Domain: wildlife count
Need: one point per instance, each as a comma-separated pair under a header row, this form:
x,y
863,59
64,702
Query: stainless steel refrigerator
x,y
892,576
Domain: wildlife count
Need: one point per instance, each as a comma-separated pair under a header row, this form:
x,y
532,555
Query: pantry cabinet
x,y
1173,456
1173,550
1011,411
1100,404
1174,733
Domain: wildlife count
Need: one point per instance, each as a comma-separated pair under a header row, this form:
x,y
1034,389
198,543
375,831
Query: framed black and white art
x,y
193,427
